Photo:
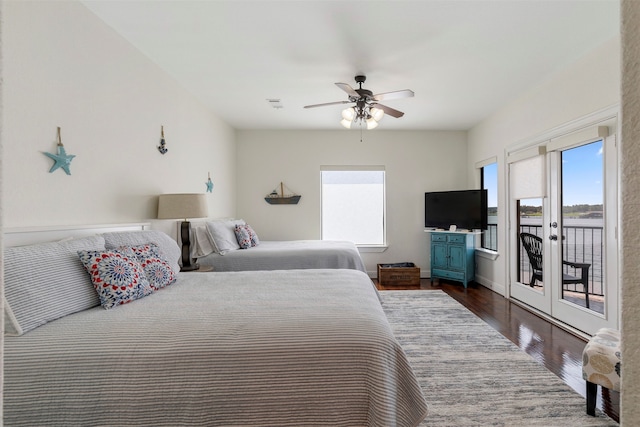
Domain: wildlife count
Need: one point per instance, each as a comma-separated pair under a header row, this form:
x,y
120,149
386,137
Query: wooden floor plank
x,y
553,347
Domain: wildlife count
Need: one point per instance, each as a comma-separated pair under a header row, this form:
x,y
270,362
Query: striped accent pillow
x,y
46,281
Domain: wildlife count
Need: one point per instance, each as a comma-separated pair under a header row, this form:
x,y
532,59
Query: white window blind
x,y
584,136
527,173
353,204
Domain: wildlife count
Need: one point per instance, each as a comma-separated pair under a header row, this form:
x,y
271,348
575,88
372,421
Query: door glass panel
x,y
530,243
583,226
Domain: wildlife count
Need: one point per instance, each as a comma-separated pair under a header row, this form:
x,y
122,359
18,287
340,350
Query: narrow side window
x,y
489,182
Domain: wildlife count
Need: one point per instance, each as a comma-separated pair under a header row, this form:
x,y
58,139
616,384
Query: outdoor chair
x,y
533,245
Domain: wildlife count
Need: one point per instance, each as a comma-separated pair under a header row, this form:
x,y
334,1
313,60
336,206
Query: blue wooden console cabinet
x,y
453,256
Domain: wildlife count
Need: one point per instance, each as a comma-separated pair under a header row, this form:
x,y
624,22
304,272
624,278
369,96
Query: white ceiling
x,y
463,59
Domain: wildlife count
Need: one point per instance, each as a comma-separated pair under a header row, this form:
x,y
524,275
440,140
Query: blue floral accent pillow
x,y
254,237
242,235
155,266
246,236
117,275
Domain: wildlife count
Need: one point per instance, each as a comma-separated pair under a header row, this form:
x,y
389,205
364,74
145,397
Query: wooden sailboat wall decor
x,y
282,198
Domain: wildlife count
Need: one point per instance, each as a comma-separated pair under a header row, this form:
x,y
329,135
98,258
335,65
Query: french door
x,y
563,257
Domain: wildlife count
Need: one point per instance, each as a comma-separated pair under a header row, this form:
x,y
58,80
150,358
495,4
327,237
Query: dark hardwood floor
x,y
553,347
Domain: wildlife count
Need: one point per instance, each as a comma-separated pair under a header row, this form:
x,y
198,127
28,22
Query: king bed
x,y
287,348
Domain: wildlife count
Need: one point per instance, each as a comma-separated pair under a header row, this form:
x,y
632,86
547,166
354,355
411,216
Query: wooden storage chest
x,y
399,274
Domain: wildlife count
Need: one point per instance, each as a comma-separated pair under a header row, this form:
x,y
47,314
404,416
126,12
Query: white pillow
x,y
202,245
223,235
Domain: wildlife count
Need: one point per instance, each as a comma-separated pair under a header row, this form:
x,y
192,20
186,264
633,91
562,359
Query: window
x,y
353,204
489,182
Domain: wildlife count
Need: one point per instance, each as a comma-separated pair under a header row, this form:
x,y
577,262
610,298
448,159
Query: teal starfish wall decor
x,y
209,184
61,159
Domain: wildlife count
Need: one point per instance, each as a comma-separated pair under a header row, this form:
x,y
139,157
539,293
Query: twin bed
x,y
299,347
288,255
217,247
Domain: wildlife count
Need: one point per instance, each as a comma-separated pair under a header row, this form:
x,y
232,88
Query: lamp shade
x,y
176,206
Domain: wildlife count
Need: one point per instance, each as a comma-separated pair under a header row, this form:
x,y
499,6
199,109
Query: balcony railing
x,y
490,237
582,244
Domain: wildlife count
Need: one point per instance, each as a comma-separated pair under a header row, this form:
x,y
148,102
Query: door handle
x,y
553,237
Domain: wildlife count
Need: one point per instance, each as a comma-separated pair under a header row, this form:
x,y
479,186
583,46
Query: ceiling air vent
x,y
275,103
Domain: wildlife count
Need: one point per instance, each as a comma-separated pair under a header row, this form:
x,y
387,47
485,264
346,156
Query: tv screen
x,y
466,209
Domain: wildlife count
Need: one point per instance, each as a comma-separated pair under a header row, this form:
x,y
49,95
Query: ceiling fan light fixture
x,y
346,123
367,109
376,113
349,114
371,123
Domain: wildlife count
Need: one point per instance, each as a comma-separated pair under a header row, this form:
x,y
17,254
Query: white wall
x,y
65,67
415,162
587,86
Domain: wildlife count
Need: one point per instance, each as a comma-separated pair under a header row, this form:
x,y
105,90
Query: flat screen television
x,y
466,209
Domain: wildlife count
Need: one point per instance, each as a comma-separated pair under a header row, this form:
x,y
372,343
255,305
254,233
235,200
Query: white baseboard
x,y
495,287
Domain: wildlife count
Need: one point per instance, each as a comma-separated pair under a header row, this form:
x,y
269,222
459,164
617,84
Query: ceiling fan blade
x,y
388,110
351,91
326,103
406,93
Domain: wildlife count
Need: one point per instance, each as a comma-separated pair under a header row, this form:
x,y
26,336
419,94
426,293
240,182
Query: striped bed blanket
x,y
271,348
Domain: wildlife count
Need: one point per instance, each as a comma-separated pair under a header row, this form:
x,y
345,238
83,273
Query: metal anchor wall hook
x,y
162,148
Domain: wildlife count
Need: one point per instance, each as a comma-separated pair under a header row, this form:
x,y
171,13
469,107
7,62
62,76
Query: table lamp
x,y
177,206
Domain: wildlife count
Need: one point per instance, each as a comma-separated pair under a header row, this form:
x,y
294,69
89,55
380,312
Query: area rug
x,y
471,375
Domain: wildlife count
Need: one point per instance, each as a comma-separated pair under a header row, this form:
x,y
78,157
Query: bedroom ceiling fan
x,y
367,109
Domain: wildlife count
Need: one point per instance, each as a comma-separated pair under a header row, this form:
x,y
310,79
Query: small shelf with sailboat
x,y
282,197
